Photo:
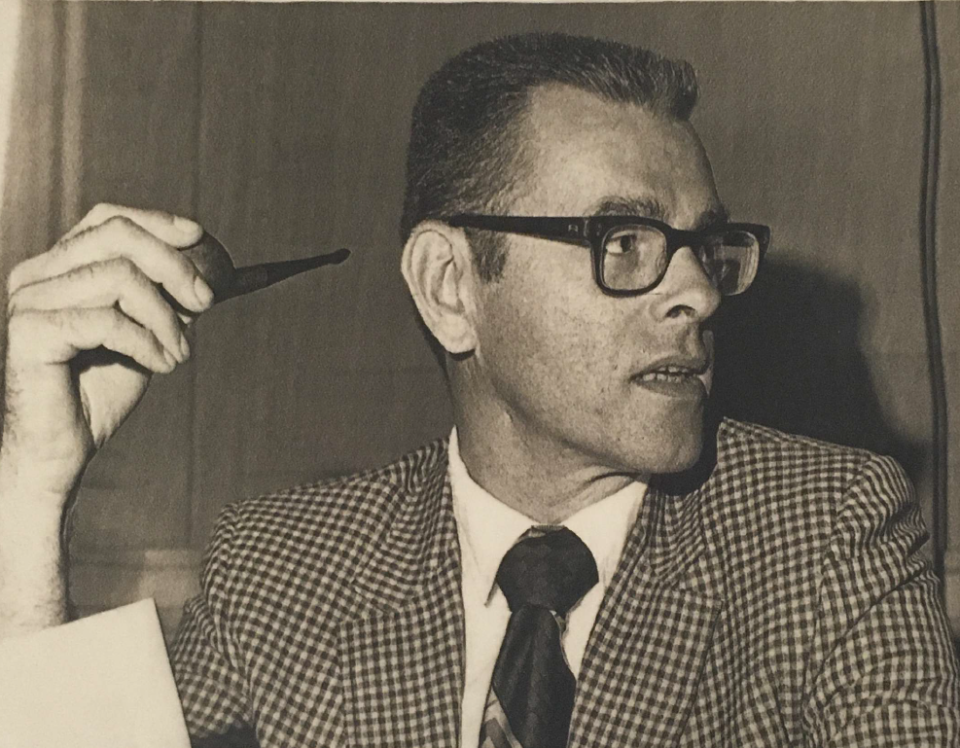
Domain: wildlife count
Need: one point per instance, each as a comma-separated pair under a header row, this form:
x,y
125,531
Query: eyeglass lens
x,y
635,258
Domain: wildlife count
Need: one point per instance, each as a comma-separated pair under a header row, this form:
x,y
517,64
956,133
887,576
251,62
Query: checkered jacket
x,y
784,601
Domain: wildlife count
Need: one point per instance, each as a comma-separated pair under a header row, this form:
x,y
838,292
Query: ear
x,y
437,265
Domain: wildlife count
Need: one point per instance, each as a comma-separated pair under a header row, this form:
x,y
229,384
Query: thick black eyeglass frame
x,y
591,231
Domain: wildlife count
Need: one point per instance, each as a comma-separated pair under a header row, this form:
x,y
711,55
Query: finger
x,y
171,229
56,337
104,284
120,237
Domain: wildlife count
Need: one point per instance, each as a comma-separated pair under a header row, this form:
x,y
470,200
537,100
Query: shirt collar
x,y
488,528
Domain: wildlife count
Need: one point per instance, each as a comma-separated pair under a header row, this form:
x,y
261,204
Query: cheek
x,y
555,345
548,335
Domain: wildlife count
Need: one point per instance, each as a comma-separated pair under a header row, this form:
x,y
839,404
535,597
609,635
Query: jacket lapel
x,y
646,652
401,656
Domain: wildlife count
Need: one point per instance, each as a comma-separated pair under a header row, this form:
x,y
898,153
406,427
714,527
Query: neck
x,y
530,473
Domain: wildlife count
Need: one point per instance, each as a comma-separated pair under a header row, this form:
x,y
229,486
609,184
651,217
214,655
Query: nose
x,y
685,290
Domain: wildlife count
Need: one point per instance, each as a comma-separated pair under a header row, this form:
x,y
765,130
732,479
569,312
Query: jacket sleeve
x,y
883,671
206,663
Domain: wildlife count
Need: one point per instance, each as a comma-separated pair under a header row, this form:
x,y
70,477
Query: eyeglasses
x,y
631,253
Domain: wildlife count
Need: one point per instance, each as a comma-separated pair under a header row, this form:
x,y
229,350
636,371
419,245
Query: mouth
x,y
686,380
668,374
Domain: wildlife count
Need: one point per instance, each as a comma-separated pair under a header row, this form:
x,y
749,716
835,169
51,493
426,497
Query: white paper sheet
x,y
100,682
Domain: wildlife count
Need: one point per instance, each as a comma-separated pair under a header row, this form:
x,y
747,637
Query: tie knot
x,y
550,567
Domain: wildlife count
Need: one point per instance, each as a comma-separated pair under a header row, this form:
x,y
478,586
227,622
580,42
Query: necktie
x,y
531,694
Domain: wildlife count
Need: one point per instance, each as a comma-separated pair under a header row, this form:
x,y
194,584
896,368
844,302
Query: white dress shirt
x,y
487,529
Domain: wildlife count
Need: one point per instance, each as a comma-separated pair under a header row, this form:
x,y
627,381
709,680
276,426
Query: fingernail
x,y
184,347
203,292
171,361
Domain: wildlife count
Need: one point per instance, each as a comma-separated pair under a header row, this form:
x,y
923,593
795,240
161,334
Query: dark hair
x,y
464,154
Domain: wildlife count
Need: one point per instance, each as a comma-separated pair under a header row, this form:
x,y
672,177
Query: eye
x,y
634,239
730,262
718,269
622,242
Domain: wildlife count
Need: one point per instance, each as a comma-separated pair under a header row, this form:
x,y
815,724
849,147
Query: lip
x,y
677,375
696,363
687,387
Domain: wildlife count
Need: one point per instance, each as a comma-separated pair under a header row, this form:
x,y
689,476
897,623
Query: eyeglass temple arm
x,y
572,230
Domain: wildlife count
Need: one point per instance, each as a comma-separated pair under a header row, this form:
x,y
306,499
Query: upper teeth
x,y
667,371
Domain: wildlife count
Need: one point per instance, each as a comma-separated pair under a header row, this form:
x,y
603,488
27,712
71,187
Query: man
x,y
536,578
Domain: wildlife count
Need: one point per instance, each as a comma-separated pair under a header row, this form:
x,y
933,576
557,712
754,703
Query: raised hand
x,y
89,321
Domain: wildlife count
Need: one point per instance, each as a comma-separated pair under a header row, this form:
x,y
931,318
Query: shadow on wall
x,y
789,356
101,580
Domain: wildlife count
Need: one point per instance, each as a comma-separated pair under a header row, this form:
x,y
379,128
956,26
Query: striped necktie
x,y
531,694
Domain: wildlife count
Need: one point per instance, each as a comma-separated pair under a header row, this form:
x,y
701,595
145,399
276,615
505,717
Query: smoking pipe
x,y
216,266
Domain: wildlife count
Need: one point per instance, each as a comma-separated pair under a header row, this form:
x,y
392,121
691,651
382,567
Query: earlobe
x,y
436,267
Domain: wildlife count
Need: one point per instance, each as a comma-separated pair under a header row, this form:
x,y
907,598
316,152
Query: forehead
x,y
584,154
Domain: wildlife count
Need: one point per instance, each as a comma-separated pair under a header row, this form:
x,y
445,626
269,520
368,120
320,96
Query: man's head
x,y
542,361
466,151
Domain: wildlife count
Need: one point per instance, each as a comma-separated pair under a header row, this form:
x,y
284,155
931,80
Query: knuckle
x,y
14,304
114,321
13,309
129,235
101,212
124,271
122,265
121,230
14,280
20,298
69,241
118,223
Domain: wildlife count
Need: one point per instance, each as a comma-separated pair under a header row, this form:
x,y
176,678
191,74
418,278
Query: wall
x,y
283,128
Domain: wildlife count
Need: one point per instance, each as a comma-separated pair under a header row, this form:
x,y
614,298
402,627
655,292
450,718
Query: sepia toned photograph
x,y
482,375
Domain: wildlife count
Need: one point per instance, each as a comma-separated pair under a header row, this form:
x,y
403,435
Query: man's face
x,y
572,370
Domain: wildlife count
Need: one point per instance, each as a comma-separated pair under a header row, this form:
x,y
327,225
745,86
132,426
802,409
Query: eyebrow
x,y
716,216
651,207
648,207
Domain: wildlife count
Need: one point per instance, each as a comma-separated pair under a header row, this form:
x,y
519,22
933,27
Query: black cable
x,y
928,260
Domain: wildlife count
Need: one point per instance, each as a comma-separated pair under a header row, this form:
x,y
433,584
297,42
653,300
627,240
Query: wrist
x,y
45,490
26,516
33,591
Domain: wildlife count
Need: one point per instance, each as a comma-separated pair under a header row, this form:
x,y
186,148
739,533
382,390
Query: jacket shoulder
x,y
314,536
750,456
772,491
357,504
738,440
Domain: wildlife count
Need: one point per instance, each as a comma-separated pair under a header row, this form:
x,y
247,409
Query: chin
x,y
668,445
672,454
682,459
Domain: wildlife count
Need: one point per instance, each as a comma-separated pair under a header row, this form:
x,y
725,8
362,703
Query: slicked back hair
x,y
465,155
